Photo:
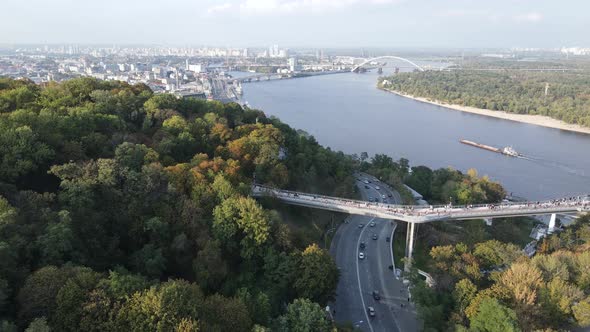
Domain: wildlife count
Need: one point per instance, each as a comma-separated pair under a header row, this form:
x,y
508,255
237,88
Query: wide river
x,y
347,112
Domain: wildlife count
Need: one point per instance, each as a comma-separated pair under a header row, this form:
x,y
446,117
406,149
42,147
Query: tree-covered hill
x,y
121,210
493,286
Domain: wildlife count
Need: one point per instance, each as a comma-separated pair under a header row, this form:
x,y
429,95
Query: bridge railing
x,y
556,202
577,203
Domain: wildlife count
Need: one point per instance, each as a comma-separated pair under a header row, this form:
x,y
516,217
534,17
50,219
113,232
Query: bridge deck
x,y
424,214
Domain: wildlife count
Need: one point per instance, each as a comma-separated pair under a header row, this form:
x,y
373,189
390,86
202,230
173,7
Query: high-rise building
x,y
196,68
293,66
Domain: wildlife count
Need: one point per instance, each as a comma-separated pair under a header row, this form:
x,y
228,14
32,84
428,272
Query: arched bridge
x,y
356,68
423,214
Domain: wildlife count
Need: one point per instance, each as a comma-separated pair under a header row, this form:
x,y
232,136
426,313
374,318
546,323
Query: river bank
x,y
539,120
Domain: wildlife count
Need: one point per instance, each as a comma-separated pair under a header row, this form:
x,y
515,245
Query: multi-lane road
x,y
359,278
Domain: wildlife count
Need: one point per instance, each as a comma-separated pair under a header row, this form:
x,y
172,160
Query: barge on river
x,y
508,150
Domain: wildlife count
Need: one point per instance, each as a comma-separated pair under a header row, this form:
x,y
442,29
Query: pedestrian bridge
x,y
423,214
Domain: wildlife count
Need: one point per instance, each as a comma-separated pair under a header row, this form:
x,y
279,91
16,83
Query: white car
x,y
372,224
361,255
377,188
383,196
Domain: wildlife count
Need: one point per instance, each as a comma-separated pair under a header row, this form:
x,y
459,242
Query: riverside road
x,y
360,277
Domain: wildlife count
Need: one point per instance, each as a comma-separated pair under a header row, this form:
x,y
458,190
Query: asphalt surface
x,y
360,277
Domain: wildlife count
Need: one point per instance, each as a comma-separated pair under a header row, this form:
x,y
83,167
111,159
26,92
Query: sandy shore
x,y
538,120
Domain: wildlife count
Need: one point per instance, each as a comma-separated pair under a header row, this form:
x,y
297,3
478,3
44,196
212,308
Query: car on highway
x,y
390,195
374,236
367,181
361,255
387,239
372,224
361,225
370,198
367,187
377,188
371,311
376,199
383,196
362,245
376,295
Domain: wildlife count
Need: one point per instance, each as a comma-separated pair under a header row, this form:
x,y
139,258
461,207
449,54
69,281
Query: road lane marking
x,y
358,276
390,247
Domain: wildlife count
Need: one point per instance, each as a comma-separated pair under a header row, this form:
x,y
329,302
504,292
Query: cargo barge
x,y
508,151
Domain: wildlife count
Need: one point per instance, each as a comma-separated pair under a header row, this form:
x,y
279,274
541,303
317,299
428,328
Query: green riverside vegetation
x,y
507,89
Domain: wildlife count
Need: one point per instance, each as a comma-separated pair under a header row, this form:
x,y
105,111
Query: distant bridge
x,y
276,76
357,67
419,214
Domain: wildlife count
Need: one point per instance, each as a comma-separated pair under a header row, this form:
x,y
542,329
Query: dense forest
x,y
121,210
492,286
508,89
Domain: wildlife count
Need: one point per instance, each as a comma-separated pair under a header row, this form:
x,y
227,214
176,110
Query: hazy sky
x,y
293,23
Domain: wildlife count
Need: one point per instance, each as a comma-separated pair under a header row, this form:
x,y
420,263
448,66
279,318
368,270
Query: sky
x,y
300,23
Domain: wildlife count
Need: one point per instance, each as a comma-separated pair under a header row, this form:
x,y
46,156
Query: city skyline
x,y
300,23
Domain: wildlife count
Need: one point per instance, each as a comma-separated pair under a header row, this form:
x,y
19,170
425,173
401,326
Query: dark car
x,y
390,195
376,295
362,245
367,187
387,239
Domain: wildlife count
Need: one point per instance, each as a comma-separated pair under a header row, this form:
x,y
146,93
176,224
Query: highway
x,y
360,277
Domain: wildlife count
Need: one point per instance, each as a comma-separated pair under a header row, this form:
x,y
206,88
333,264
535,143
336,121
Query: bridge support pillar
x,y
409,245
552,221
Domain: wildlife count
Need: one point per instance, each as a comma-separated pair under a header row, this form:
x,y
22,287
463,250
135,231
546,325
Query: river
x,y
347,112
